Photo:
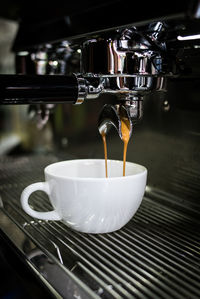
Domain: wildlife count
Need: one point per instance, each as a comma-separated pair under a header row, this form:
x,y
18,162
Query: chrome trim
x,y
121,56
82,90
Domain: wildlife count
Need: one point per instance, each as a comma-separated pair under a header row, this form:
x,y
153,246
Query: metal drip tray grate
x,y
156,255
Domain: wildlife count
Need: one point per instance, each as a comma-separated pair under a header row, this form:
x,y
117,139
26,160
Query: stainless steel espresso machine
x,y
139,58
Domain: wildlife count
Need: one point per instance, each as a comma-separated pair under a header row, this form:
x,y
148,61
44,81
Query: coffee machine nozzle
x,y
111,115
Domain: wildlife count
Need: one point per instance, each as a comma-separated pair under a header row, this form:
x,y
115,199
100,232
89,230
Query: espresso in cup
x,y
84,199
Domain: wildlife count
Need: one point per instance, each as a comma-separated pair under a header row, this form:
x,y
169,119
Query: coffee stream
x,y
103,135
125,129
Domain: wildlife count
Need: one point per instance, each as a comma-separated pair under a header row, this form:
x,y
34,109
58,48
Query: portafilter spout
x,y
130,108
111,115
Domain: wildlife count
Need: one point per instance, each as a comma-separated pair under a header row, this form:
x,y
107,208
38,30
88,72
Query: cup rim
x,y
46,171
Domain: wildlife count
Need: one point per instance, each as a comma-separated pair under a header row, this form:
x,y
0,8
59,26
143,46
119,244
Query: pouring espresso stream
x,y
103,135
125,129
122,123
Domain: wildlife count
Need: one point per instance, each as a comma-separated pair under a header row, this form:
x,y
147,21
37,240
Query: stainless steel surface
x,y
82,91
126,51
134,106
130,61
156,255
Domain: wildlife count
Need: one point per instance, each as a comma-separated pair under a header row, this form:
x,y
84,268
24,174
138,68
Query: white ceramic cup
x,y
87,201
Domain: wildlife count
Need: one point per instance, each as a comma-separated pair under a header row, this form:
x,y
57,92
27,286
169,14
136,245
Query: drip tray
x,y
156,255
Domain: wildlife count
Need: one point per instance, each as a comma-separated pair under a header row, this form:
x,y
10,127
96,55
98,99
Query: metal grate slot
x,y
156,255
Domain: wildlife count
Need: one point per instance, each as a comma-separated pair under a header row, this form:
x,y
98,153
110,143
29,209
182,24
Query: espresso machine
x,y
139,58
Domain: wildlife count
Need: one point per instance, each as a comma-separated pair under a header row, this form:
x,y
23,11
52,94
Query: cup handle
x,y
42,186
